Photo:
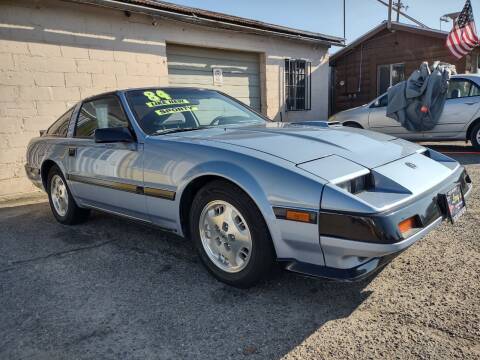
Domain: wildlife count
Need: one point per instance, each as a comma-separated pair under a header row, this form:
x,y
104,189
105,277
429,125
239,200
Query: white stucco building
x,y
54,53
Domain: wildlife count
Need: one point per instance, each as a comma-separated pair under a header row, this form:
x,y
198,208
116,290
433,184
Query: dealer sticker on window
x,y
175,110
161,98
167,102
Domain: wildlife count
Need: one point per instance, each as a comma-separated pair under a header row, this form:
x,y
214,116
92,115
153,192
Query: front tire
x,y
475,136
230,235
63,206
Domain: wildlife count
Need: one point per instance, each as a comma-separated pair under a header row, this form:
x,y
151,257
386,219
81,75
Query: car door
x,y
378,121
108,176
462,104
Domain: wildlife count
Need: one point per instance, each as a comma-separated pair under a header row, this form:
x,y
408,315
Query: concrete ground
x,y
114,289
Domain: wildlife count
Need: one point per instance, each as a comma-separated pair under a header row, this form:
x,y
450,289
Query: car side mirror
x,y
112,135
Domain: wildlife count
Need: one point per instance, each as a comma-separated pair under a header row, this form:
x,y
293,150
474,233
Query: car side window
x,y
475,90
458,89
106,112
60,127
381,102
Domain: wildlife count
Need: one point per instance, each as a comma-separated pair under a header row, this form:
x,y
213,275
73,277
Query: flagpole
x,y
390,3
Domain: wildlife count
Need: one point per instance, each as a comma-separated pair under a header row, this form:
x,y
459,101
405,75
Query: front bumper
x,y
348,259
374,257
357,273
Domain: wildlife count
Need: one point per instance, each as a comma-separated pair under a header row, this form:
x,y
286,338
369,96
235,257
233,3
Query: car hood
x,y
349,112
354,109
300,143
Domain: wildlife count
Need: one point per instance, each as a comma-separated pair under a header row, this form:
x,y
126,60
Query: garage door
x,y
194,66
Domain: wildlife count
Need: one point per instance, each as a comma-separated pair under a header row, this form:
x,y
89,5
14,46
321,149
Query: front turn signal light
x,y
408,224
297,216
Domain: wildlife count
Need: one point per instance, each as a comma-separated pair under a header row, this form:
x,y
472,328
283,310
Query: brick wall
x,y
41,76
53,53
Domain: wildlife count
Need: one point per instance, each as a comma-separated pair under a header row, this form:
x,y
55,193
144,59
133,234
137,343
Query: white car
x,y
460,119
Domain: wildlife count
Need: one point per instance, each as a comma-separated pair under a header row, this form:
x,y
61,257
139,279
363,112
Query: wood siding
x,y
358,67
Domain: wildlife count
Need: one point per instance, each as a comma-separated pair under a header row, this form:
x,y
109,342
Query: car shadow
x,y
118,289
465,154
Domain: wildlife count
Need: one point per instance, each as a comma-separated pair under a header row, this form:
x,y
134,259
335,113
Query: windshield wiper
x,y
174,130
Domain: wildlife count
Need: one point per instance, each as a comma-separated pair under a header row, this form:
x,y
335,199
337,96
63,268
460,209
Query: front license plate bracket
x,y
453,203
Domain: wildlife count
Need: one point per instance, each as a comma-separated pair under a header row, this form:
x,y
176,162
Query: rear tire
x,y
230,235
475,136
62,203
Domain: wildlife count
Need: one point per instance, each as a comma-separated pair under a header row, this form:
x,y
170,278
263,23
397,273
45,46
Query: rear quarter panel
x,y
41,149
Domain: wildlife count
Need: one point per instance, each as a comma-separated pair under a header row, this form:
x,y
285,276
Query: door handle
x,y
471,103
72,151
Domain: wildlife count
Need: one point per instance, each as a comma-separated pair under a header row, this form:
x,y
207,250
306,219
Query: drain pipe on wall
x,y
281,90
360,70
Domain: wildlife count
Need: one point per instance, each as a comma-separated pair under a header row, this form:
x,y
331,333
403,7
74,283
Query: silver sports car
x,y
460,119
321,199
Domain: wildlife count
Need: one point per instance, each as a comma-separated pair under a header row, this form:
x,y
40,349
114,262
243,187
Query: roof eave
x,y
395,26
193,19
357,41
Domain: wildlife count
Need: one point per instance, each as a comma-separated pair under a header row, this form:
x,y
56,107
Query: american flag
x,y
463,37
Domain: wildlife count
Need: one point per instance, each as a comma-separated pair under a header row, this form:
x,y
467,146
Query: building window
x,y
298,91
389,75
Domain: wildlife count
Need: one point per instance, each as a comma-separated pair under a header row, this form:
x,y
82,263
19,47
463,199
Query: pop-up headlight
x,y
358,184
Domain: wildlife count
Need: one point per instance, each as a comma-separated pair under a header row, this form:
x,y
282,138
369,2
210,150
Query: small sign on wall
x,y
217,76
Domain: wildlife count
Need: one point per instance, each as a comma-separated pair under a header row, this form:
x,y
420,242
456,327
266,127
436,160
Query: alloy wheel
x,y
225,236
59,194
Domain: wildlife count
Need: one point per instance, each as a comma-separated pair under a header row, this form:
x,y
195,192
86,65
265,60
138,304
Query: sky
x,y
326,16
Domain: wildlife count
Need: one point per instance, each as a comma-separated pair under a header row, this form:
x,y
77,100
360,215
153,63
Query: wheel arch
x,y
470,128
195,184
45,169
188,195
352,124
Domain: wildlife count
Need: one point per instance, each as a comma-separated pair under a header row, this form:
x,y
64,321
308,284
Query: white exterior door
x,y
235,73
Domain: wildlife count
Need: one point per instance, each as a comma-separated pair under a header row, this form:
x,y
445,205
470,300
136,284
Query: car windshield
x,y
160,111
